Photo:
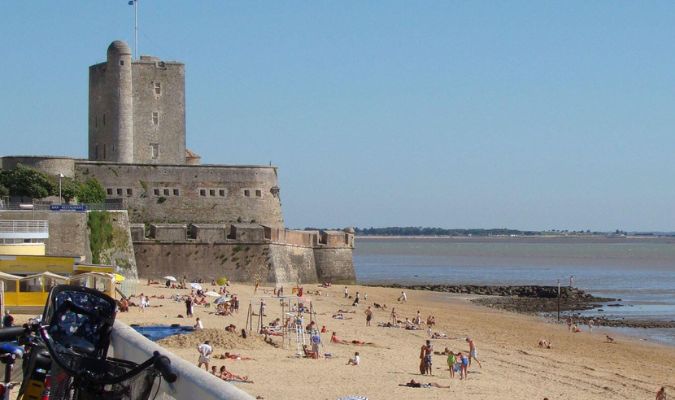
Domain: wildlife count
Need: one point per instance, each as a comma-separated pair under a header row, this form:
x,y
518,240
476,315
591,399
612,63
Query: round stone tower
x,y
121,105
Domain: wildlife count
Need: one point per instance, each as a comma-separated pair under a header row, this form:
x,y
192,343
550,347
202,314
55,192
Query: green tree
x,y
70,188
24,181
91,192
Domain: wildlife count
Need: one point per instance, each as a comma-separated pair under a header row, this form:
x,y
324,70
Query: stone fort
x,y
184,217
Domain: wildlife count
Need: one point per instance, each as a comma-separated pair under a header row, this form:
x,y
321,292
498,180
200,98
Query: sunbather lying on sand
x,y
230,356
229,376
415,384
544,344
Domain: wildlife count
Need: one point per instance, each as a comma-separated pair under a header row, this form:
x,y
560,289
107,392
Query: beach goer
x,y
473,353
346,292
198,325
661,394
144,302
590,323
452,360
569,323
464,365
213,370
7,320
544,344
369,315
188,306
394,317
418,318
356,360
205,351
425,354
356,299
403,297
415,384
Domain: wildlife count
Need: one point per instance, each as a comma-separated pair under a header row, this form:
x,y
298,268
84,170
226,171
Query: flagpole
x,y
136,29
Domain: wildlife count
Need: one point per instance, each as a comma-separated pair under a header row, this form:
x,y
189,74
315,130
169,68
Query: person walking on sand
x,y
661,394
473,353
394,317
205,351
369,315
188,306
346,292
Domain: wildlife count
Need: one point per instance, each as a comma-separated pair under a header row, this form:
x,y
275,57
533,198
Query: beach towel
x,y
353,398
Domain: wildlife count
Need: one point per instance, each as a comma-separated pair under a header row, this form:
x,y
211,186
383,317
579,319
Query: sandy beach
x,y
578,366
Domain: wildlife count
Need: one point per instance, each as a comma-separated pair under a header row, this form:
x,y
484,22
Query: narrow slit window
x,y
130,192
258,193
247,193
176,192
119,192
202,192
109,191
166,192
155,118
158,88
221,193
156,191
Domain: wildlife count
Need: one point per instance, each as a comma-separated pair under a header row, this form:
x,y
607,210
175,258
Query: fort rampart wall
x,y
190,194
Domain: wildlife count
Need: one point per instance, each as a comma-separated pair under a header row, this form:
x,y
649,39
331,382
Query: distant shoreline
x,y
529,239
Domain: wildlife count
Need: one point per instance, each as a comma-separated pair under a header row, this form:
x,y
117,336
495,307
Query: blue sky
x,y
530,115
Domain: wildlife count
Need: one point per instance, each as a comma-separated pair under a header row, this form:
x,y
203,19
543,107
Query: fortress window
x,y
154,150
258,193
247,193
166,192
221,192
155,118
121,62
158,88
103,119
212,192
202,192
176,192
104,152
156,192
95,152
119,192
130,192
109,191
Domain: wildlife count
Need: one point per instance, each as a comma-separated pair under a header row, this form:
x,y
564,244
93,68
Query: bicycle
x,y
75,332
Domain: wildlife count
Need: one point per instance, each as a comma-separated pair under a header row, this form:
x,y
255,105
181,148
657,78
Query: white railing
x,y
193,383
24,226
24,229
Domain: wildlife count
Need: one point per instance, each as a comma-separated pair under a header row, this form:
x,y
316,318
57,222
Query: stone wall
x,y
69,236
186,194
67,231
52,166
245,262
334,264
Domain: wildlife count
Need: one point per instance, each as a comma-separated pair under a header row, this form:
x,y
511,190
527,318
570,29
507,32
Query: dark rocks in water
x,y
615,305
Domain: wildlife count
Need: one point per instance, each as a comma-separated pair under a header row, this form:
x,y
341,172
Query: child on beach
x,y
452,360
356,360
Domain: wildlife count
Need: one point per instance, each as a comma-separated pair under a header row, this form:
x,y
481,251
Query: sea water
x,y
640,272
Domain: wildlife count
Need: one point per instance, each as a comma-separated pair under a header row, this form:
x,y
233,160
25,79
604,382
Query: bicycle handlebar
x,y
163,365
12,333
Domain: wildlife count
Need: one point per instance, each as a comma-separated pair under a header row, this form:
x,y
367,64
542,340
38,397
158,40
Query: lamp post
x,y
60,198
